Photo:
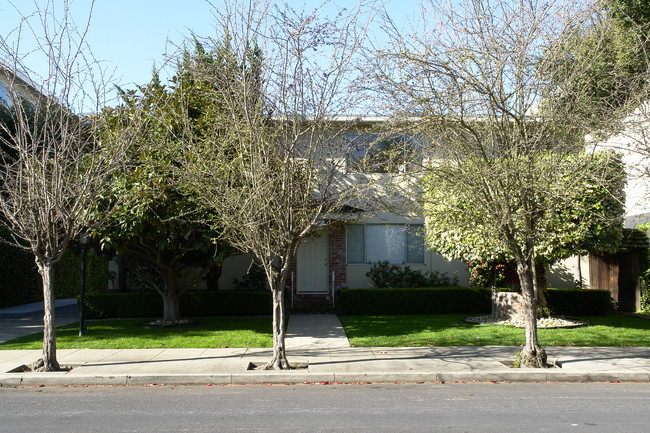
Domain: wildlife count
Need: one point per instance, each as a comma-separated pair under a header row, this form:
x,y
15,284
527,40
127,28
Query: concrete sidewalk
x,y
346,365
329,359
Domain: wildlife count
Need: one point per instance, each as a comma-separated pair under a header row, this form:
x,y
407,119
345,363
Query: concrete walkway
x,y
315,331
318,343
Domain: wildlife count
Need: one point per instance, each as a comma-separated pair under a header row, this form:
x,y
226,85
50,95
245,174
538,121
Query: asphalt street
x,y
460,407
24,320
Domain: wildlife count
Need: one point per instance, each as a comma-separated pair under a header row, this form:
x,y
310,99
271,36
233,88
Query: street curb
x,y
280,377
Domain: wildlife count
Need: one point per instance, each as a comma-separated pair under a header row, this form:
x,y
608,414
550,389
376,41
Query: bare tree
x,y
53,164
272,174
481,81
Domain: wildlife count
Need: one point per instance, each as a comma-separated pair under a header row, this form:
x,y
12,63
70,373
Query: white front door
x,y
313,264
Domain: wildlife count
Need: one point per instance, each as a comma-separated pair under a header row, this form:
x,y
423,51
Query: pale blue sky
x,y
130,36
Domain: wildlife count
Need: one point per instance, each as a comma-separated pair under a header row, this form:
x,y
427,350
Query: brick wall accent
x,y
337,259
293,284
508,305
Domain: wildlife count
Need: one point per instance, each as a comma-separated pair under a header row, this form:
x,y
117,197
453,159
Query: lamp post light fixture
x,y
84,240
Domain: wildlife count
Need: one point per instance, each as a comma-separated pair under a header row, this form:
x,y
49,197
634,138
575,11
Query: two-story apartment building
x,y
386,224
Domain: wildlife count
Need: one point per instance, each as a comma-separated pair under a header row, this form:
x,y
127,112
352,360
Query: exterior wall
x,y
19,83
356,273
566,273
234,267
634,144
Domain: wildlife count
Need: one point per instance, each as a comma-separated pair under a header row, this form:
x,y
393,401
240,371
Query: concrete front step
x,y
312,306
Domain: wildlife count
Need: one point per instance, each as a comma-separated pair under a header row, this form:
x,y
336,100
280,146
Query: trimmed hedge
x,y
578,302
429,300
461,300
192,303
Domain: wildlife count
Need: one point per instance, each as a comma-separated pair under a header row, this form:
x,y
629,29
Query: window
x,y
395,243
374,153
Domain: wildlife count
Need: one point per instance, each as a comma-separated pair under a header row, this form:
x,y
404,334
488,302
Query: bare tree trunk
x,y
279,360
532,355
48,362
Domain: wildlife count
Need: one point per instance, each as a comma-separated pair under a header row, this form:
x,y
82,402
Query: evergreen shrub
x,y
194,303
578,302
425,300
461,300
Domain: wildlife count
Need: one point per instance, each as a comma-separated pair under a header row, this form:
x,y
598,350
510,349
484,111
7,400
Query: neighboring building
x,y
4,92
14,84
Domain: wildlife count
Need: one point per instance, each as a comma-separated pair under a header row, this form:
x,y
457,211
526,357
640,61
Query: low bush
x,y
254,279
461,300
192,303
578,302
488,274
385,275
429,300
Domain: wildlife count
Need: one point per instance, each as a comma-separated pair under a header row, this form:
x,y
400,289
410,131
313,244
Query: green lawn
x,y
363,331
212,332
450,330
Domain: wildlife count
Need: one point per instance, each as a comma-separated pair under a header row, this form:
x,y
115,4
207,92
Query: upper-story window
x,y
375,153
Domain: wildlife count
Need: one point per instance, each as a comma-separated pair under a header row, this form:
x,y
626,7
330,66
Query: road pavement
x,y
463,407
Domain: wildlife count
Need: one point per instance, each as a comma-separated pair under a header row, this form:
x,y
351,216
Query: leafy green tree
x,y
613,51
160,225
507,160
581,212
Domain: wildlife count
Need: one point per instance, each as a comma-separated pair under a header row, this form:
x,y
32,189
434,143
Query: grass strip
x,y
450,330
210,332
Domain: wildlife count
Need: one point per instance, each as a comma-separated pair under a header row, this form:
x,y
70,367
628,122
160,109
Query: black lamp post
x,y
83,240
